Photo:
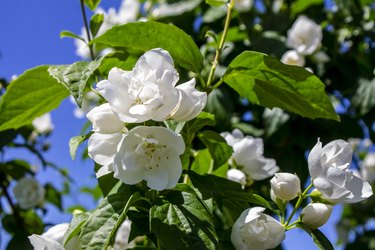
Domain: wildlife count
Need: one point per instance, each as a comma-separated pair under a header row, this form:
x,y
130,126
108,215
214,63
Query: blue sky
x,y
29,36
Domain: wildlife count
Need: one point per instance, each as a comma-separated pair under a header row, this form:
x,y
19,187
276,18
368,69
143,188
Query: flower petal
x,y
360,190
330,190
157,178
104,120
314,160
103,147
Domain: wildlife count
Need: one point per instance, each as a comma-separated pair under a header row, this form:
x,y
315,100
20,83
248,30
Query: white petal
x,y
40,242
104,170
339,152
360,190
331,191
104,120
292,57
103,147
174,168
260,168
156,59
314,160
157,178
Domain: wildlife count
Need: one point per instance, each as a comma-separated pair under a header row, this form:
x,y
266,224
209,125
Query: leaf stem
x,y
87,29
298,204
14,209
221,44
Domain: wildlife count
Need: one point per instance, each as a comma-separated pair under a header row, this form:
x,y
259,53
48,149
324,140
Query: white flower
x,y
122,236
316,214
164,9
191,102
236,176
368,167
286,186
147,92
243,5
151,154
255,230
329,168
292,57
108,132
52,239
305,36
29,193
43,124
248,155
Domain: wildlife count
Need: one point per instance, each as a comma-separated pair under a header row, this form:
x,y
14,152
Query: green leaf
x,y
184,218
319,238
75,141
92,4
67,33
117,59
75,76
98,231
31,95
53,196
143,36
265,81
96,22
216,2
217,146
176,8
222,188
202,120
75,226
364,98
300,6
16,169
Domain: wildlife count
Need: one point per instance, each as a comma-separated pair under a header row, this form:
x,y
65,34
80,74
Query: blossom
x,y
148,91
29,193
191,102
248,155
108,132
368,167
316,214
151,154
236,175
122,236
255,230
286,186
292,57
43,124
305,36
329,168
243,5
52,239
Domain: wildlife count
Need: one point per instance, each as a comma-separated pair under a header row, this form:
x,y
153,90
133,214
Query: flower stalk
x,y
87,29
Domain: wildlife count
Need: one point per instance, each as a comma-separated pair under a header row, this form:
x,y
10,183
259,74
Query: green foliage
x,y
300,5
96,22
53,196
183,217
31,95
67,33
265,81
143,36
75,77
216,2
92,4
75,141
364,98
75,225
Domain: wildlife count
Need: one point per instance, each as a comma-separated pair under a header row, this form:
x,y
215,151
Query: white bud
x,y
286,186
316,214
236,176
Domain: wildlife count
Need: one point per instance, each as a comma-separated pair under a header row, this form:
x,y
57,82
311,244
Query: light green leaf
x,y
116,59
217,146
31,95
202,120
216,2
98,231
143,36
75,76
92,4
265,81
67,33
364,98
96,22
75,225
300,6
318,237
184,218
75,141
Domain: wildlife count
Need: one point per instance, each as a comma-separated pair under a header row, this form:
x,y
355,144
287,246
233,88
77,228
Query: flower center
x,y
150,153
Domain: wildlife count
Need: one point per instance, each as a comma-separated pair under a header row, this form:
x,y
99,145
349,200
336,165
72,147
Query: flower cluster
x,y
334,183
29,193
148,92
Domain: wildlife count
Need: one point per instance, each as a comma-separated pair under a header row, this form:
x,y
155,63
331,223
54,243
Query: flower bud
x,y
29,193
236,176
286,186
316,214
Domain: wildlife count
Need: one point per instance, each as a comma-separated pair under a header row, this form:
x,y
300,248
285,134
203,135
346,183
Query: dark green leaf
x,y
75,141
75,76
31,95
96,22
98,231
117,59
364,98
300,6
319,238
92,4
184,218
203,119
75,225
143,36
16,169
217,146
67,33
53,196
265,81
20,241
